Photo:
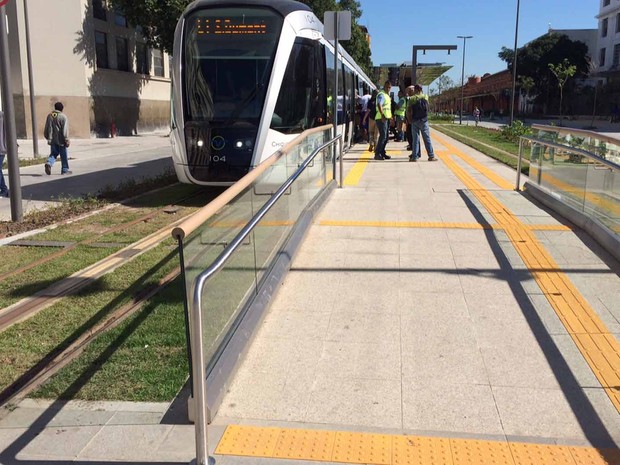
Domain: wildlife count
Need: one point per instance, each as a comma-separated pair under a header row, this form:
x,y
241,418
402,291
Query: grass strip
x,y
487,141
25,344
144,359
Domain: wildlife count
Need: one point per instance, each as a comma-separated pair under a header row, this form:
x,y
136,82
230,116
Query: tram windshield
x,y
228,57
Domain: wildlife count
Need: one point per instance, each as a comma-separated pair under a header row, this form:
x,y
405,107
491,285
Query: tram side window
x,y
301,101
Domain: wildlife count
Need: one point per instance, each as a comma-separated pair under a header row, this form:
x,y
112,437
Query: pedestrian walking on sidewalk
x,y
418,115
57,135
4,191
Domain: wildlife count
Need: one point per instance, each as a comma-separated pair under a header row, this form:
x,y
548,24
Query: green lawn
x,y
487,141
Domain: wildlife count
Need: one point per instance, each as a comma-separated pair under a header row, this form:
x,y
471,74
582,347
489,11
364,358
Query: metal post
x,y
462,77
188,338
9,121
414,67
518,186
33,112
341,165
514,69
335,91
200,387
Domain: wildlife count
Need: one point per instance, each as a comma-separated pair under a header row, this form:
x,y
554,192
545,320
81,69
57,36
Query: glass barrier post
x,y
518,186
186,311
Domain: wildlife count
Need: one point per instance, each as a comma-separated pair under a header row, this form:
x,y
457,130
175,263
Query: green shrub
x,y
518,129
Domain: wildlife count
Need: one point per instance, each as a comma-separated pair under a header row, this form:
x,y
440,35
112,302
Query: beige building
x,y
88,57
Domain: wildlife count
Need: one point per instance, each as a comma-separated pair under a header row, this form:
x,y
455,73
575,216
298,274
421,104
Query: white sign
x,y
344,25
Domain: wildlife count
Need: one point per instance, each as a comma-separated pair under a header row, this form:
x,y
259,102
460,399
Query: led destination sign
x,y
229,26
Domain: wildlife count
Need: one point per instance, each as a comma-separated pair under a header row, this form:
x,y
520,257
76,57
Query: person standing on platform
x,y
382,120
476,115
418,115
57,134
372,126
408,95
401,108
4,191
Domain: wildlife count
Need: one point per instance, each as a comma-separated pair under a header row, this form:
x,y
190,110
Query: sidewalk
x,y
96,164
412,308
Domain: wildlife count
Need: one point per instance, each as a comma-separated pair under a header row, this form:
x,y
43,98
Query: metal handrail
x,y
200,392
555,145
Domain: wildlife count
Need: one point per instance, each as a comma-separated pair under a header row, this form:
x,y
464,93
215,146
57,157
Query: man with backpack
x,y
417,114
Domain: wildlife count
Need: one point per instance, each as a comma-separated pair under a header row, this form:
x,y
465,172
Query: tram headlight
x,y
239,144
200,143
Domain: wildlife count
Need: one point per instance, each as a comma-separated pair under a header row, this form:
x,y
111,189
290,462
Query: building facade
x,y
607,57
87,56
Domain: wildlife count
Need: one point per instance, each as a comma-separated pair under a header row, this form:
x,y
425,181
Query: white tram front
x,y
249,76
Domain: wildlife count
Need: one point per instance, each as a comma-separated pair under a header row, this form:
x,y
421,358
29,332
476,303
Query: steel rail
x,y
198,362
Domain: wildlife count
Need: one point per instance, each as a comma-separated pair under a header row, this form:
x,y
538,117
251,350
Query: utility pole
x,y
514,69
33,112
9,121
463,77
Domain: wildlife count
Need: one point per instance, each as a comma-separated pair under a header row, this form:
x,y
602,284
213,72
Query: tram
x,y
249,76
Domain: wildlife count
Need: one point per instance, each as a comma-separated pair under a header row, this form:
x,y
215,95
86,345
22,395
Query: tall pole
x,y
463,78
514,69
33,112
335,93
9,120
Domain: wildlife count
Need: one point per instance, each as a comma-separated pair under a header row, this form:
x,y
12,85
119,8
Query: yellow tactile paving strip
x,y
355,174
597,345
434,225
384,449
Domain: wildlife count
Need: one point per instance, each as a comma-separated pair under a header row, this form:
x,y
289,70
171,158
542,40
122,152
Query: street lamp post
x,y
514,68
462,77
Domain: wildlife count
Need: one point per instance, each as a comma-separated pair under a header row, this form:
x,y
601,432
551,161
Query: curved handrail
x,y
197,219
582,132
198,361
576,150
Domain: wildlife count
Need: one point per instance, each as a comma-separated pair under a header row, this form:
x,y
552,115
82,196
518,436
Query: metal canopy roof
x,y
426,72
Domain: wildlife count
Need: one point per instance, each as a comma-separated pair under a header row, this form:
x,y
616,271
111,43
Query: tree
x,y
358,46
158,18
562,71
533,61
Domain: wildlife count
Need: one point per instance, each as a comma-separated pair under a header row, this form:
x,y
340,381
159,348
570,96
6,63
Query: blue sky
x,y
397,25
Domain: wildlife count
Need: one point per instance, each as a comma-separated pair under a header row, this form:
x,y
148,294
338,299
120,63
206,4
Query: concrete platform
x,y
429,300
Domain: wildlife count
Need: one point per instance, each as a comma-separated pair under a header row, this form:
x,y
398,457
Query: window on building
x,y
616,60
99,10
101,49
119,18
601,57
618,22
158,63
122,54
143,58
604,27
606,2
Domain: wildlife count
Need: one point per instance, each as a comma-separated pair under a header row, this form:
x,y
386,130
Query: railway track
x,y
65,352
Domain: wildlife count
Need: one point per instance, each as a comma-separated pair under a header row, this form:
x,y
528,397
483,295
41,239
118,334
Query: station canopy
x,y
401,74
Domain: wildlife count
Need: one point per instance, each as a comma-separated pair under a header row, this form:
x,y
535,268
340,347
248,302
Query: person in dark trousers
x,y
383,118
4,191
57,134
418,115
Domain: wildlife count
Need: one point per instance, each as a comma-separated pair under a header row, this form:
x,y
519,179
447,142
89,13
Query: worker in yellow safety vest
x,y
382,120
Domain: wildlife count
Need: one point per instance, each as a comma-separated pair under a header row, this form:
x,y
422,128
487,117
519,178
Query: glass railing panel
x,y
602,198
272,232
228,291
564,174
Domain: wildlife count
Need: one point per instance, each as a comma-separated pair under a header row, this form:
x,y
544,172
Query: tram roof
x,y
284,7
